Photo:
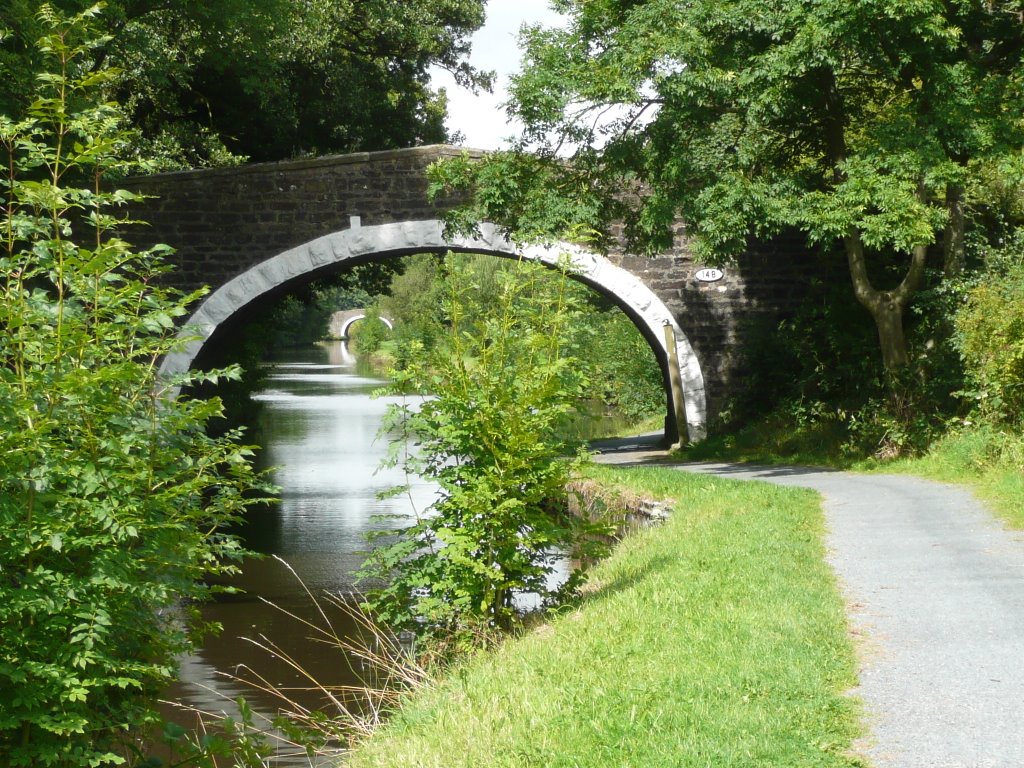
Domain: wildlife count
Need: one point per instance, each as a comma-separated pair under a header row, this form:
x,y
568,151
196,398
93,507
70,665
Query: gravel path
x,y
935,589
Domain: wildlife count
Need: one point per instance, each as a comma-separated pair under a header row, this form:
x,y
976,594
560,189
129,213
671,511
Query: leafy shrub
x,y
501,385
370,333
112,496
626,374
819,374
414,304
990,338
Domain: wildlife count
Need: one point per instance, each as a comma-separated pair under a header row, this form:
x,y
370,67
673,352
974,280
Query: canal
x,y
318,424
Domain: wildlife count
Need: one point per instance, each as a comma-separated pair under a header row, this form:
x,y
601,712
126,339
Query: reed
x,y
386,665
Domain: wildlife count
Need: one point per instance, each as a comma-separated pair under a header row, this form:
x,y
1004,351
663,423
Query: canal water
x,y
318,424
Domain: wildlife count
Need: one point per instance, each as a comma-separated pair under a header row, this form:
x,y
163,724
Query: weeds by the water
x,y
385,664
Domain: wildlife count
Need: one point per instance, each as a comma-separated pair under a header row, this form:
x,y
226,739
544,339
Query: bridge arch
x,y
358,244
341,322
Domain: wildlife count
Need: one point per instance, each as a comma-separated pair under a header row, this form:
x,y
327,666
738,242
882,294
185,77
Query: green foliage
x,y
870,127
815,388
367,336
534,195
414,304
112,496
990,338
987,457
765,100
214,83
625,374
501,386
240,742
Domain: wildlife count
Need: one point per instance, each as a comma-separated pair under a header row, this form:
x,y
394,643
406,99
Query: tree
x,y
413,301
112,495
501,384
206,83
864,125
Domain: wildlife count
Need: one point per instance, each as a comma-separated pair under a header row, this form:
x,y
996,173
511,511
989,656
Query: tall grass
x,y
310,719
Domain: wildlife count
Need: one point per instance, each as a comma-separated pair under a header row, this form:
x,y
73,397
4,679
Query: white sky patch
x,y
481,118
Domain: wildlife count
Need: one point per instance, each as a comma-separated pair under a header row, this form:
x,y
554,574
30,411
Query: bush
x,y
112,496
414,304
502,386
990,338
819,375
627,375
367,336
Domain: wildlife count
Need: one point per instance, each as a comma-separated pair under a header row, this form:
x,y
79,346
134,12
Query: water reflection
x,y
319,428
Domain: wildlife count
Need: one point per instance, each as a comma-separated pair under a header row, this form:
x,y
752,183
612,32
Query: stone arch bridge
x,y
255,231
341,322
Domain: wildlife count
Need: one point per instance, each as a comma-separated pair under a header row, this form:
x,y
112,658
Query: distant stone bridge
x,y
340,323
254,232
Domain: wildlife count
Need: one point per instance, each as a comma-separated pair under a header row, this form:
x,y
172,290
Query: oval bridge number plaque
x,y
709,275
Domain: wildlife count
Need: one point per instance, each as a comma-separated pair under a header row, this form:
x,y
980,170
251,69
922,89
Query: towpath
x,y
935,590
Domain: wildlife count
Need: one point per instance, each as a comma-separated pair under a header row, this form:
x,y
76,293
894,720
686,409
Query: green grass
x,y
988,459
619,426
775,440
717,639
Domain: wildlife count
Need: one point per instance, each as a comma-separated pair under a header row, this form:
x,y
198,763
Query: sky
x,y
481,118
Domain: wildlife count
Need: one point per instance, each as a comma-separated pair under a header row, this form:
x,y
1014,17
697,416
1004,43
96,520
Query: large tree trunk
x,y
954,252
886,307
889,322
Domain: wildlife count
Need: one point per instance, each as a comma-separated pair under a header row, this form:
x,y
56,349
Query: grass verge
x,y
717,639
987,459
775,440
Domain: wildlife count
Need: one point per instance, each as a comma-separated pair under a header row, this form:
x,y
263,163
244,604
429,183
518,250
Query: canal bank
x,y
320,424
718,638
